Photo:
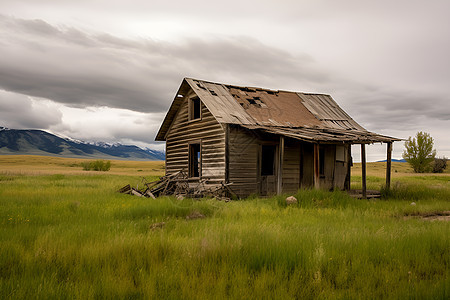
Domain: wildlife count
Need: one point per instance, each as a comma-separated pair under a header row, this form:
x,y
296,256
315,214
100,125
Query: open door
x,y
267,170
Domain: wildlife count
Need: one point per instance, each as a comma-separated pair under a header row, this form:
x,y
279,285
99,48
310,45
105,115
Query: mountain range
x,y
394,160
39,142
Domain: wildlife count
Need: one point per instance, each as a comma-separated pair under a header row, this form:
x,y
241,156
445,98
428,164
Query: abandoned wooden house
x,y
262,141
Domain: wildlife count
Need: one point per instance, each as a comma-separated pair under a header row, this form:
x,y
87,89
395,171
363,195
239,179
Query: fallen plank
x,y
136,192
125,190
150,194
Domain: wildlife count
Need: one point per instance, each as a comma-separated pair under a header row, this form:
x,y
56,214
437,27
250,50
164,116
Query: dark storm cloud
x,y
78,69
71,67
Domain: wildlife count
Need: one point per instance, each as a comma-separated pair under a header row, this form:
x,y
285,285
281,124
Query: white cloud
x,y
109,125
21,111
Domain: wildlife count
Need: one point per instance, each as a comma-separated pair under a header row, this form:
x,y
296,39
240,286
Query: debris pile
x,y
179,185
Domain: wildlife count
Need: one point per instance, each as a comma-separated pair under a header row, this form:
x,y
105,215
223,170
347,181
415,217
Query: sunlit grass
x,y
45,165
69,234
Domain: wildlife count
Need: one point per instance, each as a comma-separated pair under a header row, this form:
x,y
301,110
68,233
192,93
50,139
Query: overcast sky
x,y
102,70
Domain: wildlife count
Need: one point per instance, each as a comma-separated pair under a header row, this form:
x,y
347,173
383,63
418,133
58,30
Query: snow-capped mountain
x,y
39,142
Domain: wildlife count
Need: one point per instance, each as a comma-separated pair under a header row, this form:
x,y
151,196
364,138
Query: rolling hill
x,y
39,142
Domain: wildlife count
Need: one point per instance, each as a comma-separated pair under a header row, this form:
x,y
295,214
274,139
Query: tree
x,y
419,152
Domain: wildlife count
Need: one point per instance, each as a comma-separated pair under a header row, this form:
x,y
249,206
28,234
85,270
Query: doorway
x,y
267,170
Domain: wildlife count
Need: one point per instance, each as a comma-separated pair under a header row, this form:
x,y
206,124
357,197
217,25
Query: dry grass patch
x,y
47,165
399,169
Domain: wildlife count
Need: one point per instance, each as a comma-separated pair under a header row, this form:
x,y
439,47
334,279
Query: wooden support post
x,y
349,168
363,171
388,165
316,166
280,166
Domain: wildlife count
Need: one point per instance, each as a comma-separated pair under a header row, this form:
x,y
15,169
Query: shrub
x,y
439,164
98,165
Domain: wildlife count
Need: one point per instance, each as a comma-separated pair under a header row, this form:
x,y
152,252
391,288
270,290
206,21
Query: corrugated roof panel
x,y
327,110
325,135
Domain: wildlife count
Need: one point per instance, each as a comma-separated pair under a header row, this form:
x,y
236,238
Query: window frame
x,y
192,107
191,159
274,160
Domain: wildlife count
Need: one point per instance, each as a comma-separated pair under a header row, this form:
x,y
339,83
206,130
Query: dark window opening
x,y
268,160
321,161
195,109
194,160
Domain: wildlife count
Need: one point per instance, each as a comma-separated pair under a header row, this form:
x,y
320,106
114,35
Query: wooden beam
x,y
363,171
316,166
349,167
388,165
280,166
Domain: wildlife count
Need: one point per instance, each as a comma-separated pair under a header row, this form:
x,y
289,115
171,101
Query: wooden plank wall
x,y
291,166
243,161
307,165
212,137
327,181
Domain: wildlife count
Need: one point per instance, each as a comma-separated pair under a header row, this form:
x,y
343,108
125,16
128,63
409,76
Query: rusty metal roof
x,y
325,135
312,117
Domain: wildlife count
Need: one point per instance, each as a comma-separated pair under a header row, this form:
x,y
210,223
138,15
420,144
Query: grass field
x,y
67,233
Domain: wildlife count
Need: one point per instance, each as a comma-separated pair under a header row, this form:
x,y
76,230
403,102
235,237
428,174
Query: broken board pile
x,y
177,184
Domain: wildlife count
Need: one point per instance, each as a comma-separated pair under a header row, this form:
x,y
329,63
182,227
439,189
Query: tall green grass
x,y
74,236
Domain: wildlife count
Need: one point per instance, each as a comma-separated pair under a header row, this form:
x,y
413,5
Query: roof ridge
x,y
257,88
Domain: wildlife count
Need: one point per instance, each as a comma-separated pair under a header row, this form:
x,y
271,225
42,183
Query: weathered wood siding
x,y
291,166
327,180
307,165
208,132
341,166
244,151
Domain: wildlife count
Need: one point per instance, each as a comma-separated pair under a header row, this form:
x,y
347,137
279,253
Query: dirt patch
x,y
430,216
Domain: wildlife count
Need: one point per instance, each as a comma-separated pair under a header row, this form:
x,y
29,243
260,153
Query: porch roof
x,y
325,134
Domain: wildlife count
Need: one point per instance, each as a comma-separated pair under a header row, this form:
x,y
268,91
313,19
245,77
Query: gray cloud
x,y
383,108
78,69
19,111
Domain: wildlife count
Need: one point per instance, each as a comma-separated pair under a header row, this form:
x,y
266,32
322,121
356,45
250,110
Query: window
x,y
268,160
340,153
194,160
322,161
195,108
